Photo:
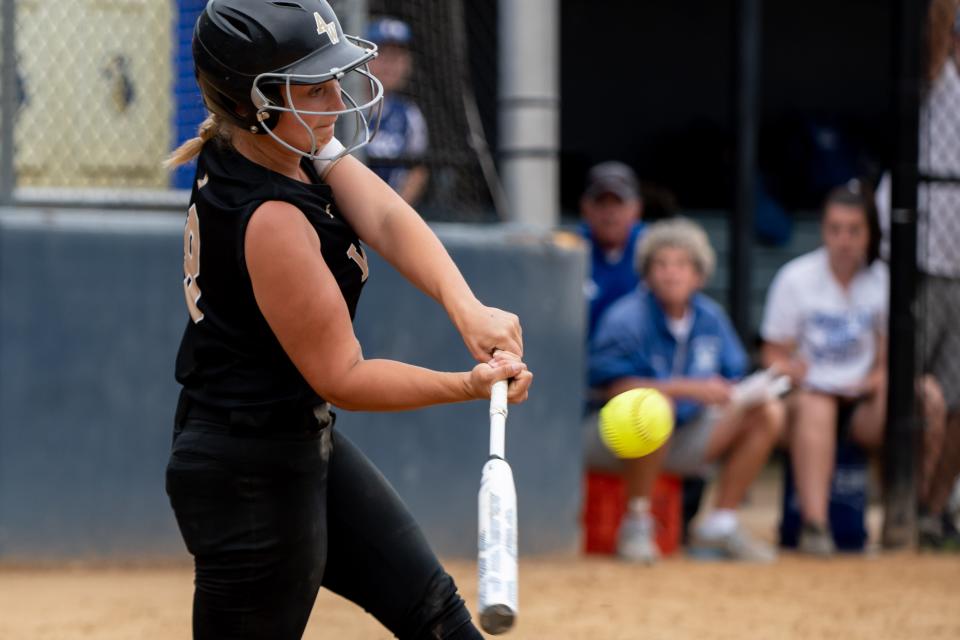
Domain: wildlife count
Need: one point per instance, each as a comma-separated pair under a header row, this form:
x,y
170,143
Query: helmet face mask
x,y
365,126
248,53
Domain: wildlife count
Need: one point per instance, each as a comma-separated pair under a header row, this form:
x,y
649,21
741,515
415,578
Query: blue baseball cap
x,y
388,31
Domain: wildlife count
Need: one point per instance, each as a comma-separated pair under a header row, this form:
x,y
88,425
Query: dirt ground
x,y
871,597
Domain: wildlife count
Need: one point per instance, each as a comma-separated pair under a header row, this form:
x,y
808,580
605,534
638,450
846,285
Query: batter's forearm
x,y
388,385
416,252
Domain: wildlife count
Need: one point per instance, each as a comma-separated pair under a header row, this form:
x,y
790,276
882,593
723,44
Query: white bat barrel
x,y
497,561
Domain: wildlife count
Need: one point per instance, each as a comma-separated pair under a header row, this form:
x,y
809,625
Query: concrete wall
x,y
91,311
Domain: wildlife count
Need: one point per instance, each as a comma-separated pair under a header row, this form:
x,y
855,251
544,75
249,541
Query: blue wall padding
x,y
90,318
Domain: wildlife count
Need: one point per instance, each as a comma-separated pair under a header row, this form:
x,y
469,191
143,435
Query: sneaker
x,y
951,535
816,540
636,542
953,504
736,545
938,533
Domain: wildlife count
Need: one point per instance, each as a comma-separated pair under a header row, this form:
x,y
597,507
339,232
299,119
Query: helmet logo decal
x,y
326,28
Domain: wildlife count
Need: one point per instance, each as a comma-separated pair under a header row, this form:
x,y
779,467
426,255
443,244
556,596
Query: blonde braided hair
x,y
212,127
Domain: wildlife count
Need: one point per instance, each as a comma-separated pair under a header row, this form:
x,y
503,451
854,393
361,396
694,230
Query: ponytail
x,y
211,128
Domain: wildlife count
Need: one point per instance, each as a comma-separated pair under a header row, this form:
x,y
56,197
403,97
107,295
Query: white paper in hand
x,y
760,387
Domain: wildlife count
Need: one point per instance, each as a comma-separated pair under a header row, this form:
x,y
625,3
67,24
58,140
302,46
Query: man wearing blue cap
x,y
396,153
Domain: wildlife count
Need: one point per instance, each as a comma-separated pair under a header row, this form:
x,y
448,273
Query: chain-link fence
x,y
924,367
939,202
90,82
938,229
453,50
101,90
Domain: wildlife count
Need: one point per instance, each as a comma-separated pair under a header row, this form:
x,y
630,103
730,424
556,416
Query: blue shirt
x,y
632,340
611,277
400,142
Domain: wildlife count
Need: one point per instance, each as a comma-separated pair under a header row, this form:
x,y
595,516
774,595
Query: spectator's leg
x,y
636,540
948,467
869,418
693,489
640,474
745,440
940,300
813,444
935,418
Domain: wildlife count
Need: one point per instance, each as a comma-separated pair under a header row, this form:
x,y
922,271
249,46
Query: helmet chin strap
x,y
362,134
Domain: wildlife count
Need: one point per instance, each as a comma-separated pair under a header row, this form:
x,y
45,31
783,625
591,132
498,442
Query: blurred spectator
x,y
825,325
396,152
611,207
670,337
953,504
940,262
938,255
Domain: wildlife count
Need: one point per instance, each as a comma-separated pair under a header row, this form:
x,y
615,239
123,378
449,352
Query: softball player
x,y
270,500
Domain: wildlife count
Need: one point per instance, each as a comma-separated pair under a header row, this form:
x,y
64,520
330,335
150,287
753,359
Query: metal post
x,y
747,124
902,429
8,100
529,109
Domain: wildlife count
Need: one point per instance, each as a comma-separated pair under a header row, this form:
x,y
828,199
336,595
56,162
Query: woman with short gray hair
x,y
670,337
682,233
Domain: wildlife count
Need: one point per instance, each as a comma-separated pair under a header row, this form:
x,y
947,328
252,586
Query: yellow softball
x,y
636,422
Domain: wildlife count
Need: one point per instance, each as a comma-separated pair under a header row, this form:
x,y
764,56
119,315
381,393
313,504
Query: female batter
x,y
270,500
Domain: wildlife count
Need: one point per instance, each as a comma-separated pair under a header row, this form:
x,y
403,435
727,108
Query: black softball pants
x,y
269,520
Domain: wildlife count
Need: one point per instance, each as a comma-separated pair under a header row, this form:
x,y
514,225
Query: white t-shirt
x,y
834,329
680,328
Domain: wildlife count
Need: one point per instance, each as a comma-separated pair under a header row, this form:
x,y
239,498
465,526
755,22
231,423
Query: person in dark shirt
x,y
272,502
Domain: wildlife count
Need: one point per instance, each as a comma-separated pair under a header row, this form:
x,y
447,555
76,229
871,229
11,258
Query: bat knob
x,y
497,619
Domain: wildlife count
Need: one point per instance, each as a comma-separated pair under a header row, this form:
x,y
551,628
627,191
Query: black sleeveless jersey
x,y
229,358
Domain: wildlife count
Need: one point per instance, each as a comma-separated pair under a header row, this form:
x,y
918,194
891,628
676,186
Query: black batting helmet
x,y
246,51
